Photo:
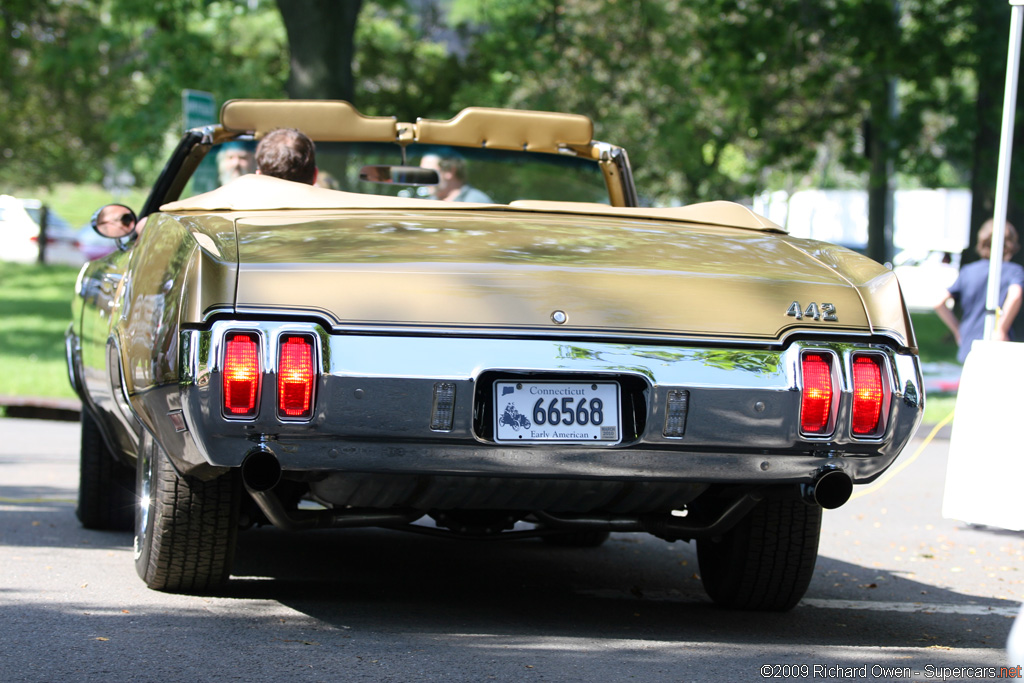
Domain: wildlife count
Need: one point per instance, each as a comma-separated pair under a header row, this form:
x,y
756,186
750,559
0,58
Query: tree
x,y
988,42
722,98
320,34
97,82
100,80
705,95
404,65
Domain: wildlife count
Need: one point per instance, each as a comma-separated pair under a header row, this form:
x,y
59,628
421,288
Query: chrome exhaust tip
x,y
261,470
831,489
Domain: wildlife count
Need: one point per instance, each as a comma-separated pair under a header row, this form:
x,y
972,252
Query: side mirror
x,y
399,175
114,221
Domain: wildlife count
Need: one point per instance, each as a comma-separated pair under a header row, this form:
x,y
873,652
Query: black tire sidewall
x,y
765,562
187,541
106,497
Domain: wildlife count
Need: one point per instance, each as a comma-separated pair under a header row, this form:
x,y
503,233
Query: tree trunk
x,y
320,37
991,75
880,197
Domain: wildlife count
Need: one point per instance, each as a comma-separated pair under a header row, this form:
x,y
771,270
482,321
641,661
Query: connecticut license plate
x,y
559,412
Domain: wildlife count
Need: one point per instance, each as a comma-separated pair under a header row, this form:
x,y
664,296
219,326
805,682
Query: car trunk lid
x,y
532,272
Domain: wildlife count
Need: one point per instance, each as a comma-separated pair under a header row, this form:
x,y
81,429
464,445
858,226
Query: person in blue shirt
x,y
452,185
971,291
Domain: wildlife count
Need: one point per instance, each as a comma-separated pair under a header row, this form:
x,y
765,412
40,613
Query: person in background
x,y
234,159
452,185
971,291
327,181
289,154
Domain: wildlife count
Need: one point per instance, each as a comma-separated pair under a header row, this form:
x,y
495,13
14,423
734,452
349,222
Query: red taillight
x,y
296,376
868,395
241,374
816,403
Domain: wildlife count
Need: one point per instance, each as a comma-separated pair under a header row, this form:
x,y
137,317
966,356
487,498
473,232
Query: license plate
x,y
556,412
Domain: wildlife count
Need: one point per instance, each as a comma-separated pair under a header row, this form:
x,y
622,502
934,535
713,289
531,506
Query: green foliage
x,y
99,81
703,94
721,98
712,98
401,68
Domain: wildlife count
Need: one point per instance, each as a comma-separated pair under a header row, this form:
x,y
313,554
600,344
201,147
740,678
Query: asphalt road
x,y
897,590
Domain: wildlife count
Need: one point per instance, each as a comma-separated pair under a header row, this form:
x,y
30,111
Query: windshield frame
x,y
196,144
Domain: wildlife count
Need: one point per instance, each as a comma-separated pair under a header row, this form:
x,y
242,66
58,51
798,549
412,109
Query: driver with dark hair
x,y
289,154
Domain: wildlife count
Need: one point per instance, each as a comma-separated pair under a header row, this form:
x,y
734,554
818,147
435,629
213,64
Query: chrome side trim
x,y
73,355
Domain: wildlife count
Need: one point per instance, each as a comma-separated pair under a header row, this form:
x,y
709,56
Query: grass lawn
x,y
35,309
35,301
937,345
934,339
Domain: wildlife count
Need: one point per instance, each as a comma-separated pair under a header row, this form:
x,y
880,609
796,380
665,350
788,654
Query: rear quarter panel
x,y
180,269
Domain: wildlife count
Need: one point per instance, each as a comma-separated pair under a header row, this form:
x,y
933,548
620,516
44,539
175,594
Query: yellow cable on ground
x,y
904,464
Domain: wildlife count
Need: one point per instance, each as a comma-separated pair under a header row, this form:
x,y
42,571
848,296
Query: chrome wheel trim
x,y
144,499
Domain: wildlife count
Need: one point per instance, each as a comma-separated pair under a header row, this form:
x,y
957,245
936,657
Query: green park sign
x,y
199,109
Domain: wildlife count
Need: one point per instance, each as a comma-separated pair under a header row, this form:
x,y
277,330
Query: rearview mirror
x,y
399,175
114,221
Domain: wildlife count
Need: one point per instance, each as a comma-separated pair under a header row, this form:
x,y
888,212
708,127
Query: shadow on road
x,y
635,587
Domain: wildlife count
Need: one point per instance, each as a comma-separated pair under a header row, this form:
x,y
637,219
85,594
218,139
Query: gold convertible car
x,y
549,361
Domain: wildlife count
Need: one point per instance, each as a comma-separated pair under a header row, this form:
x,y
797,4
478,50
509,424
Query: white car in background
x,y
924,275
65,244
18,232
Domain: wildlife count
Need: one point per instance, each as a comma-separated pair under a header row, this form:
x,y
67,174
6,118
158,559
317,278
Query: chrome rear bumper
x,y
375,394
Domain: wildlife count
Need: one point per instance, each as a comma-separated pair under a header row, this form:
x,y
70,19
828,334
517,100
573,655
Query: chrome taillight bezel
x,y
314,380
836,393
885,373
226,340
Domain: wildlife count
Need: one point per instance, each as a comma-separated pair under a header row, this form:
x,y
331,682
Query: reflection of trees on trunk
x,y
717,256
756,362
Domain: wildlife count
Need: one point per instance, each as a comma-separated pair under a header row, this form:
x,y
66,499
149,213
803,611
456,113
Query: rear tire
x,y
764,563
106,487
185,529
